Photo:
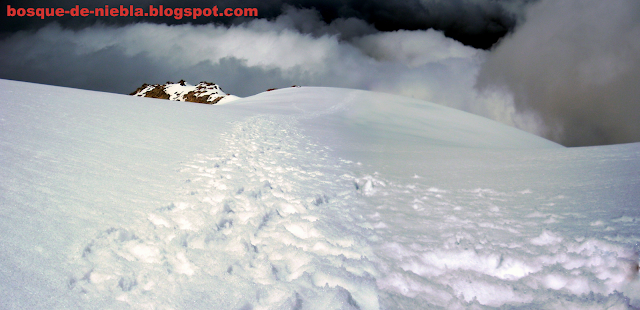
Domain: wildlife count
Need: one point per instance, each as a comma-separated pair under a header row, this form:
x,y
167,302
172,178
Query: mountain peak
x,y
204,92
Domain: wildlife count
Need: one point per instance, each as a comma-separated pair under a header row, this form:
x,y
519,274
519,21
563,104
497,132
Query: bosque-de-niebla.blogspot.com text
x,y
131,11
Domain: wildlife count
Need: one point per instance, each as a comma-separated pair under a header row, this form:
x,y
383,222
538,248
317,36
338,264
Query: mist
x,y
576,65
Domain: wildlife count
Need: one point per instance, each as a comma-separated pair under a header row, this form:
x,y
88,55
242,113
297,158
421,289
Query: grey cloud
x,y
576,64
249,58
478,23
309,21
64,60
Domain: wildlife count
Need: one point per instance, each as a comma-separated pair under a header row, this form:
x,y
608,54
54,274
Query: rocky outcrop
x,y
204,92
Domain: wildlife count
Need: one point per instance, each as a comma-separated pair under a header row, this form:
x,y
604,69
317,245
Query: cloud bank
x,y
575,64
567,73
296,48
477,23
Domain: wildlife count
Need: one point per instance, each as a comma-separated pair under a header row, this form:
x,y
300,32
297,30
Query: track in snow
x,y
265,223
272,221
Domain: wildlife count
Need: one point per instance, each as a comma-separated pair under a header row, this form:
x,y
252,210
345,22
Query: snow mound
x,y
204,92
385,120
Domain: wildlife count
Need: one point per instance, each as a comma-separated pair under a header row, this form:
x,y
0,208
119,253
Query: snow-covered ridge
x,y
204,92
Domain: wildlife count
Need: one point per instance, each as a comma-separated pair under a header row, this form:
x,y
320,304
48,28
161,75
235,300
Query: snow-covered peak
x,y
204,92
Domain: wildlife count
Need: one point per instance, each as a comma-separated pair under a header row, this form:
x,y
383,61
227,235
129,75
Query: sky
x,y
564,70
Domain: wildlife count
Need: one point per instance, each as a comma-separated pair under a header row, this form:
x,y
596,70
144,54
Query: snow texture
x,y
304,198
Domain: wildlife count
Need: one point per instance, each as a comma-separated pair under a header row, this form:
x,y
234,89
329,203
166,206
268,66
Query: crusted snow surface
x,y
263,223
305,198
486,247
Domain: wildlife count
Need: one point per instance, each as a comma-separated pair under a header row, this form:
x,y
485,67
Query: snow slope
x,y
304,198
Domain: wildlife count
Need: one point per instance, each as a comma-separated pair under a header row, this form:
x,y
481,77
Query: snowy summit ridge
x,y
204,92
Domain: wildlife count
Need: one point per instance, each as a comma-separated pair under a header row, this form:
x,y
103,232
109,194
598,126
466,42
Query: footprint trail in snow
x,y
265,224
274,221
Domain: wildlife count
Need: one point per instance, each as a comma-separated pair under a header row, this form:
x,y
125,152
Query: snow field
x,y
263,224
306,198
453,248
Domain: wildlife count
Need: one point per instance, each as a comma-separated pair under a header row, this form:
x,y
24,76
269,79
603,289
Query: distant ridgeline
x,y
204,92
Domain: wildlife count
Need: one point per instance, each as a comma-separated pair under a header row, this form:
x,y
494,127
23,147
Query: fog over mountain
x,y
577,65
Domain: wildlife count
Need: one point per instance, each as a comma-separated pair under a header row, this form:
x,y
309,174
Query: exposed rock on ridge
x,y
204,92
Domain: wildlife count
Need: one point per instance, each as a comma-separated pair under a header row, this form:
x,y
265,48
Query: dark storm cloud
x,y
297,47
576,64
478,23
59,57
110,58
